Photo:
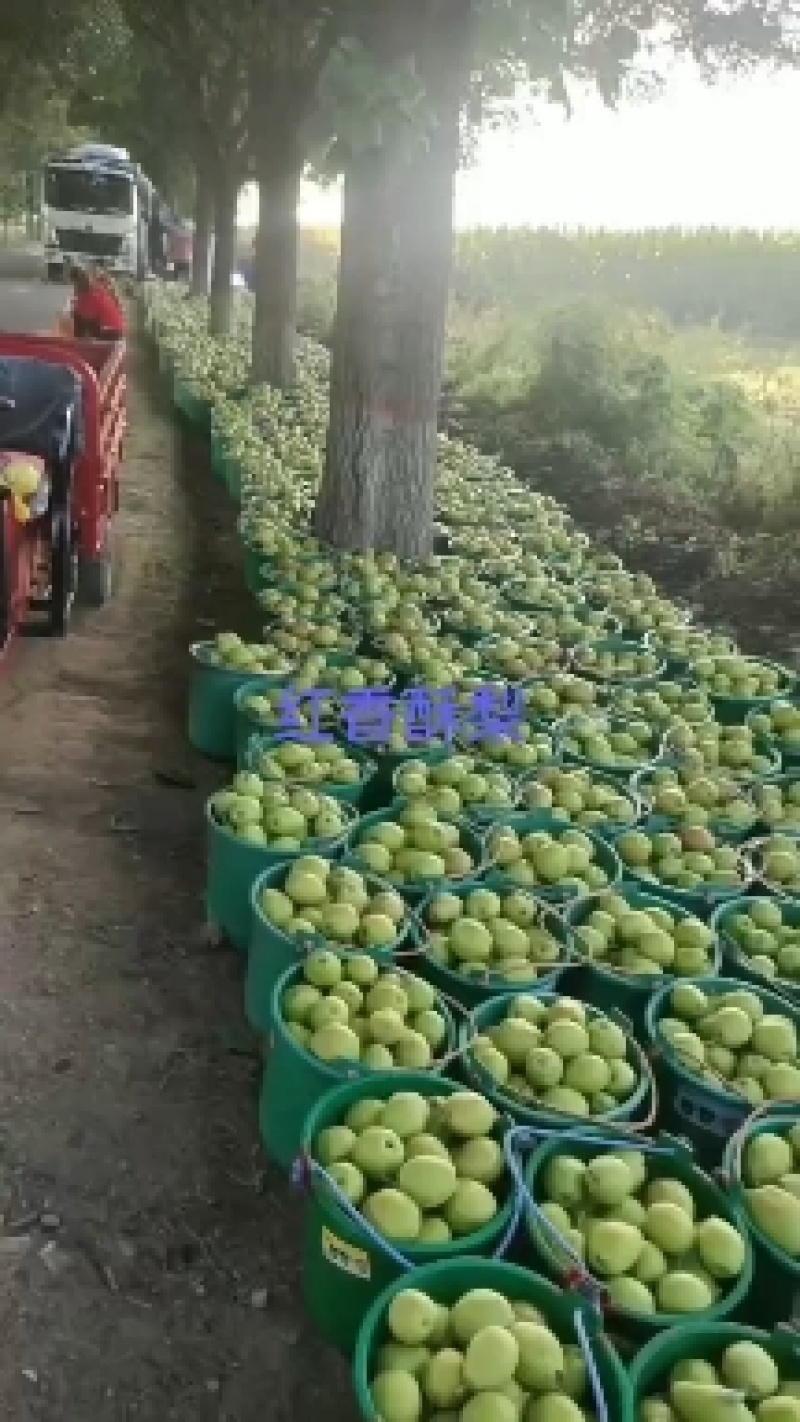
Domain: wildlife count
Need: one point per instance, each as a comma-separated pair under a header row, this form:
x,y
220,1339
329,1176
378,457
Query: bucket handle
x,y
306,1169
544,910
592,1369
740,1137
573,932
781,987
525,1137
255,748
411,924
645,1072
688,1063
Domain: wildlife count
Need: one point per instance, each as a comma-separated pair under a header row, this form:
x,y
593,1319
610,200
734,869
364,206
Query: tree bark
x,y
226,193
388,338
201,246
278,173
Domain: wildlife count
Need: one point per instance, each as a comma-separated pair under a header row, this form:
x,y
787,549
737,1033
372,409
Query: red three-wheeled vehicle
x,y
62,418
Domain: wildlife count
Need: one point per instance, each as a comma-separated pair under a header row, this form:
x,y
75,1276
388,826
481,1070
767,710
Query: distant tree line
x,y
741,280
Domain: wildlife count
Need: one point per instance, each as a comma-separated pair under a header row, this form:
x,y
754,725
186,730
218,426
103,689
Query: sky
x,y
697,156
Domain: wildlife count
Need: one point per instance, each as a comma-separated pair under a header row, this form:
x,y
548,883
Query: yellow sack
x,y
22,511
21,478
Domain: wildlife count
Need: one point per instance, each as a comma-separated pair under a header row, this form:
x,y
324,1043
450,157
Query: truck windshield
x,y
88,190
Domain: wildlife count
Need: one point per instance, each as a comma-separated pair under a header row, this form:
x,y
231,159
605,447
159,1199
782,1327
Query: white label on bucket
x,y
345,1256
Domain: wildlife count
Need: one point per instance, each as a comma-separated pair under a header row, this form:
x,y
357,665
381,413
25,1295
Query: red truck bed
x,y
100,366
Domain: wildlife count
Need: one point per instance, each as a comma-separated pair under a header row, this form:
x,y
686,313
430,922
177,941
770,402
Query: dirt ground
x,y
149,1257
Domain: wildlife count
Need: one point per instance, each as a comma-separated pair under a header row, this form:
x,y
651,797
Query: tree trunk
x,y
226,193
201,247
388,337
278,173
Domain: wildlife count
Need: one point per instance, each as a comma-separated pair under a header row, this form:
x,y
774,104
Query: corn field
x,y
739,280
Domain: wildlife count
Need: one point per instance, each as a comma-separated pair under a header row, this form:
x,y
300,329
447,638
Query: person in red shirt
x,y
97,312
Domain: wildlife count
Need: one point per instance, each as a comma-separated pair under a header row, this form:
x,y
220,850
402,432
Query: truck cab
x,y
96,209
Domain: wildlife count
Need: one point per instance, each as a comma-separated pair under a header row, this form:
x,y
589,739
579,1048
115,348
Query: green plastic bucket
x,y
271,952
193,408
736,960
676,1165
495,669
345,1269
702,1111
701,902
766,826
233,475
734,710
605,828
790,756
547,719
611,770
671,750
470,989
446,1282
775,1296
615,644
246,723
212,712
417,889
606,988
605,856
680,655
388,762
654,822
651,1367
293,1080
477,813
349,793
254,563
494,1010
218,453
753,851
232,867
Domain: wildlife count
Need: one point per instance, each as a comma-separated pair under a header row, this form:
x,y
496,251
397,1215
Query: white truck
x,y
96,208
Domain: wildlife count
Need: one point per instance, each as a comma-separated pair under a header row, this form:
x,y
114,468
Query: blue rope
x,y
595,1380
515,1142
521,1138
313,1168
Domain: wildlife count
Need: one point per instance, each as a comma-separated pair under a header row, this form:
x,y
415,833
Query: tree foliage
x,y
134,102
258,88
380,456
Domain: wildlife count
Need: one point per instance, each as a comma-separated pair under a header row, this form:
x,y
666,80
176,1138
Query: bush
x,y
593,388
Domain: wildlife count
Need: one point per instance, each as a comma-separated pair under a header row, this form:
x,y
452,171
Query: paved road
x,y
27,301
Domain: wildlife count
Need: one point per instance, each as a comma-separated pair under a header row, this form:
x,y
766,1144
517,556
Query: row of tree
x,y
387,93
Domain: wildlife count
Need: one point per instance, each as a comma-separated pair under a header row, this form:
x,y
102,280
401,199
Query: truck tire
x,y
97,577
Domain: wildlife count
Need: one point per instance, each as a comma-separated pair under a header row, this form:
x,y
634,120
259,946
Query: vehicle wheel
x,y
55,271
95,581
97,576
63,570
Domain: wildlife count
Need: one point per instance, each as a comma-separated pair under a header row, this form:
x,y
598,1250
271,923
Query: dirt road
x,y
27,301
149,1259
